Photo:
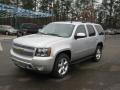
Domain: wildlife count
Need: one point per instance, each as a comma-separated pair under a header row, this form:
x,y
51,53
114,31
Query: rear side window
x,y
91,30
99,29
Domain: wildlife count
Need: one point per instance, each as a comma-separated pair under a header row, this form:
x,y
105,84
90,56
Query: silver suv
x,y
58,45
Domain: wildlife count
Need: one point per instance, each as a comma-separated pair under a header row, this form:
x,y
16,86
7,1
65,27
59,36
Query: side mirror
x,y
80,35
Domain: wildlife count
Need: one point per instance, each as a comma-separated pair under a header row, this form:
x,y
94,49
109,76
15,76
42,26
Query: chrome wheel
x,y
63,66
98,54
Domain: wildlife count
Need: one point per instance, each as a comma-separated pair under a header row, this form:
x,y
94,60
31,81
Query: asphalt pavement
x,y
88,75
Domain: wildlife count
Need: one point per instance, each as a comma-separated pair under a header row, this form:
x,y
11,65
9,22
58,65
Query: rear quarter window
x,y
99,29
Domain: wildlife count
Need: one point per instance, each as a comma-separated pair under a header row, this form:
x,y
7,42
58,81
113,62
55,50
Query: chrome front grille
x,y
22,46
23,50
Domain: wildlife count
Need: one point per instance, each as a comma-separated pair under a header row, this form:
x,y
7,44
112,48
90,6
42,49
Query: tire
x,y
61,66
98,54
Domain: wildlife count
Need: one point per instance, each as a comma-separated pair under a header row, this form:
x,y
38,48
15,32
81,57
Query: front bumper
x,y
42,64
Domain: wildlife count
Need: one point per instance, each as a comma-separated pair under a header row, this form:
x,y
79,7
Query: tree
x,y
28,4
65,7
85,9
44,5
117,14
56,9
113,9
61,9
5,1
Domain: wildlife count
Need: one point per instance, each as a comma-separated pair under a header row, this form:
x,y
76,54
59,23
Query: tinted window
x,y
81,29
99,29
91,30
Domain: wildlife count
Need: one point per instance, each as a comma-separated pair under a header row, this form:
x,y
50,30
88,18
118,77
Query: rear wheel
x,y
98,54
61,66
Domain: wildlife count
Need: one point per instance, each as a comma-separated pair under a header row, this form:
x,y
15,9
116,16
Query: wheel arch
x,y
100,44
66,51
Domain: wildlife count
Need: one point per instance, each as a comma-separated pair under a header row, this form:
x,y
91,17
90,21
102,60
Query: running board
x,y
81,60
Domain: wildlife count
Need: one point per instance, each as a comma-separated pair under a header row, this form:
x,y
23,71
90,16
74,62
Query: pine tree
x,y
28,4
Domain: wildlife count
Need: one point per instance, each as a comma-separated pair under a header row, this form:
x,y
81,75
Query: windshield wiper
x,y
53,34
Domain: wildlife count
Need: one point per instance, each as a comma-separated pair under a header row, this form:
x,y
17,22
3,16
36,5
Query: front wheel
x,y
6,33
98,54
61,66
19,34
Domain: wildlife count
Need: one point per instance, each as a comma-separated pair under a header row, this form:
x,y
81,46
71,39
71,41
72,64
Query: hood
x,y
37,40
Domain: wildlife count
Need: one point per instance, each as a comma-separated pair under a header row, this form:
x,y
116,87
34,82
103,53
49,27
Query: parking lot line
x,y
1,49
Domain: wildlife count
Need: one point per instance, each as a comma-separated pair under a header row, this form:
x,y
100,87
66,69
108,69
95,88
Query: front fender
x,y
60,49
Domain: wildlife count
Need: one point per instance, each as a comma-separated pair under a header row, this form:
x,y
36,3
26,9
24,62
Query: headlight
x,y
43,52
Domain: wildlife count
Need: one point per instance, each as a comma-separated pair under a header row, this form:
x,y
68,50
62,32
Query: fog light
x,y
40,68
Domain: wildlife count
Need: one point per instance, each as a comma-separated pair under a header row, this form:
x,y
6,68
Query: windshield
x,y
55,29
